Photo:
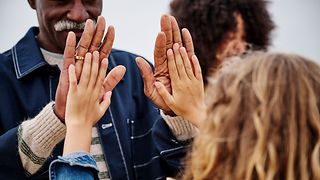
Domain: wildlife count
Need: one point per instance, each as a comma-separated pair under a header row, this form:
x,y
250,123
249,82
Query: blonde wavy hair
x,y
263,122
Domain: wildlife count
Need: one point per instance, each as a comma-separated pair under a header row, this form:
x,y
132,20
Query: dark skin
x,y
51,11
170,34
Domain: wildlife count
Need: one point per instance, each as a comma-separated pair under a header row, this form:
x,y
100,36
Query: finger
x,y
197,68
98,34
160,49
83,44
187,41
85,75
105,102
102,74
228,50
172,68
94,69
175,31
69,50
167,29
86,38
147,76
186,62
113,78
72,78
179,63
166,96
107,44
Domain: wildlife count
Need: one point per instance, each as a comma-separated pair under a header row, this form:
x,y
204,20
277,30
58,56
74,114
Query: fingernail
x,y
175,46
157,85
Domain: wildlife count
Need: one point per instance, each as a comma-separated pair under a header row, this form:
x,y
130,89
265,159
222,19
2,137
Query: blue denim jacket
x,y
136,142
74,166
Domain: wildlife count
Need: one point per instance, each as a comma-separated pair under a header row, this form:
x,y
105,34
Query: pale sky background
x,y
137,24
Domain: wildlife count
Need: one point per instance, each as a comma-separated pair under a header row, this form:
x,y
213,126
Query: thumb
x,y
106,102
166,96
147,75
113,78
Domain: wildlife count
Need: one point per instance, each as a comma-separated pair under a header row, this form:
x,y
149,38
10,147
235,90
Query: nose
x,y
78,12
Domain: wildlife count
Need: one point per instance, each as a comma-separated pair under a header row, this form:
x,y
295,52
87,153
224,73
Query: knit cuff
x,y
182,129
38,136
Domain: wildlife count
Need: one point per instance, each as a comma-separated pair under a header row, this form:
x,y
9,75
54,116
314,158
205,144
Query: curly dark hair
x,y
209,22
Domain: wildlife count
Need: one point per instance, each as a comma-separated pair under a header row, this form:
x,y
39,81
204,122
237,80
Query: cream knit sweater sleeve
x,y
37,137
181,128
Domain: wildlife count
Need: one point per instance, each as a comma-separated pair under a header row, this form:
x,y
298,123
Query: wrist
x,y
78,139
199,117
78,124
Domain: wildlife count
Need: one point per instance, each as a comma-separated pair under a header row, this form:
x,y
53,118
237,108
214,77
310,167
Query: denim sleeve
x,y
75,166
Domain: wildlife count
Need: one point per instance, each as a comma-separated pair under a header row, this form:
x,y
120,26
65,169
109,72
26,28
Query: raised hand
x,y
170,34
63,86
84,107
90,41
83,104
187,97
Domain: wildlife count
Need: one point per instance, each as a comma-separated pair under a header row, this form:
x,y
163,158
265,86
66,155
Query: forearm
x,y
78,139
37,137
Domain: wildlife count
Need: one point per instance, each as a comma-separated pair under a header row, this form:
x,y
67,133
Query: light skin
x,y
158,86
187,97
90,39
170,34
85,106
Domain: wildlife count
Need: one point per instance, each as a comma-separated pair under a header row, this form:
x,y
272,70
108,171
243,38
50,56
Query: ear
x,y
32,4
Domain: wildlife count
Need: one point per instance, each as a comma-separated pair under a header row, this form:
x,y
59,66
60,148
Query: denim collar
x,y
26,54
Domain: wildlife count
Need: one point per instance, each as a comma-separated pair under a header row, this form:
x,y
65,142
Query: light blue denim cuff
x,y
79,159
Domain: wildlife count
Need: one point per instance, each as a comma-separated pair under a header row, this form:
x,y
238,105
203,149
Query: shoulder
x,y
117,53
5,56
120,57
6,62
124,57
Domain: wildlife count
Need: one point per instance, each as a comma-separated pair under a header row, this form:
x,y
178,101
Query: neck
x,y
48,45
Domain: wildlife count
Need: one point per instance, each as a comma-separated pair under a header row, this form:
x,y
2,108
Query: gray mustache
x,y
63,25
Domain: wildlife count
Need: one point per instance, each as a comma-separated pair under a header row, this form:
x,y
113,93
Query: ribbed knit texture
x,y
37,137
182,129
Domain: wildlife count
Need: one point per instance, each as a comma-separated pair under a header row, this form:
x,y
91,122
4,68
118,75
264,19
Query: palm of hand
x,y
161,75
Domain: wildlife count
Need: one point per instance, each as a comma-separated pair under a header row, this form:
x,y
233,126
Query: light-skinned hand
x,y
84,107
170,34
90,41
187,97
